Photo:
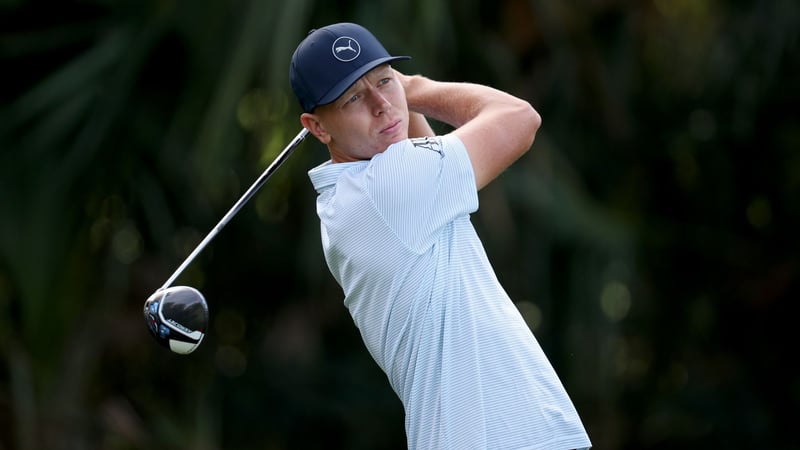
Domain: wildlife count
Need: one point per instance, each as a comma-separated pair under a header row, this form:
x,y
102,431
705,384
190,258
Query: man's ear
x,y
312,124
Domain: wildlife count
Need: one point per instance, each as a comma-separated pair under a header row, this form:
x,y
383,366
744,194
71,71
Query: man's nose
x,y
379,103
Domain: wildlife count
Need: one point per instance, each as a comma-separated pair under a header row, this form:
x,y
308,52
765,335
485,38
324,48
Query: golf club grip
x,y
282,156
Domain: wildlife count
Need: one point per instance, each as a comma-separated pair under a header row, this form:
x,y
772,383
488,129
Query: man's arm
x,y
418,125
495,127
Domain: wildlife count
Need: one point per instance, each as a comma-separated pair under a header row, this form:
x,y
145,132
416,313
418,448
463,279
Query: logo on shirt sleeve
x,y
433,144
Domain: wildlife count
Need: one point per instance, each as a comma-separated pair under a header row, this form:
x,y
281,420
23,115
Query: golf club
x,y
177,316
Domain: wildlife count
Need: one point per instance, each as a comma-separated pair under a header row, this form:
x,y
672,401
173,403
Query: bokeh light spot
x,y
126,244
615,300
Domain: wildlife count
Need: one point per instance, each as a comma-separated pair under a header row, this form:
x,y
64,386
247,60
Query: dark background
x,y
649,238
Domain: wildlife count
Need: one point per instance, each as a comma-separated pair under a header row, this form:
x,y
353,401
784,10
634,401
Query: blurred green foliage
x,y
649,238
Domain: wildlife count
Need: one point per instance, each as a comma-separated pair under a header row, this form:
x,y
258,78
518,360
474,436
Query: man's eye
x,y
352,99
383,81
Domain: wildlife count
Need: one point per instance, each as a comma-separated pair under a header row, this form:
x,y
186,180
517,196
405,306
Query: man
x,y
394,204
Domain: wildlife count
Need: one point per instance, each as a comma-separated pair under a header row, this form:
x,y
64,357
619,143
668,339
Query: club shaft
x,y
283,156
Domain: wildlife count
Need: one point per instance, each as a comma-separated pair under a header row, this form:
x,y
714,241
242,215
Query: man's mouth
x,y
392,128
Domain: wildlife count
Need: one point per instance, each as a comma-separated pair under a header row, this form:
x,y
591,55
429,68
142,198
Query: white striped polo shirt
x,y
397,237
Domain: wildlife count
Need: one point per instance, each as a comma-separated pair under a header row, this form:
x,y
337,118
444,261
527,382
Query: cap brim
x,y
339,88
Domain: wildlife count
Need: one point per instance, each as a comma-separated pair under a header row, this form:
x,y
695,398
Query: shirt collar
x,y
325,175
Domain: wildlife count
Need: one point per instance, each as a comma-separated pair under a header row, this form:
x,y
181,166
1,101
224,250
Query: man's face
x,y
365,120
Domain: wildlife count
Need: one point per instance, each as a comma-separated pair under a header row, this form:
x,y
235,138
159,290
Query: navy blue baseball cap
x,y
331,59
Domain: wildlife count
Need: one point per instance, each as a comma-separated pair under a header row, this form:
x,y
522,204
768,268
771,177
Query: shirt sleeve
x,y
419,186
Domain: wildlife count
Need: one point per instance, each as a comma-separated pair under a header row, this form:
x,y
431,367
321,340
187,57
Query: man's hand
x,y
418,125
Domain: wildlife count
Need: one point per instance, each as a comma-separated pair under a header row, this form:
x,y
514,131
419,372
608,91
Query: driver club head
x,y
177,317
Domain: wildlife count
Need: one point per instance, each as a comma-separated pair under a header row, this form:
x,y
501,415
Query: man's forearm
x,y
418,125
452,103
